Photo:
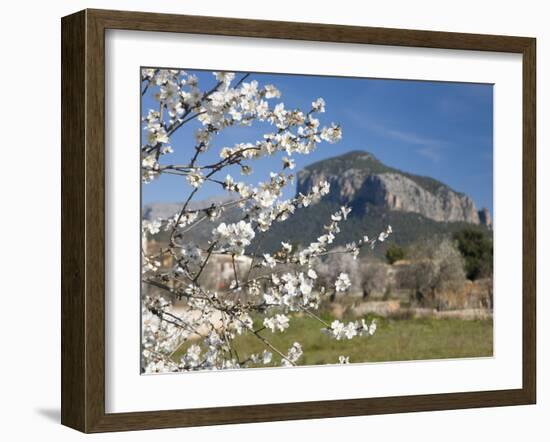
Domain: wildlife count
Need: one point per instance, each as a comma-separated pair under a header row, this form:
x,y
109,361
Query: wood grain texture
x,y
83,220
529,221
73,292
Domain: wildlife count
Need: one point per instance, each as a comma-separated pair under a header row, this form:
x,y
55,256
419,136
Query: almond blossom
x,y
269,288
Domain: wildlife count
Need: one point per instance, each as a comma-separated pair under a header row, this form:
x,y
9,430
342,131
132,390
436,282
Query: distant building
x,y
221,273
158,249
218,273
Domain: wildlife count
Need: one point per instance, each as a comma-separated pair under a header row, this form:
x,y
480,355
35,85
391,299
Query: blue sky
x,y
438,129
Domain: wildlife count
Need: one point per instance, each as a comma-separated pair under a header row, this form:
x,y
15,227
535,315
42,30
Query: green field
x,y
394,340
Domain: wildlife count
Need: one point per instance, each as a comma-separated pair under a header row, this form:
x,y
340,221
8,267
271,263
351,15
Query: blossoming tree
x,y
275,285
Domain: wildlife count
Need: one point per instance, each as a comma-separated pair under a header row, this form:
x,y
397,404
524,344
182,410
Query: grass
x,y
394,340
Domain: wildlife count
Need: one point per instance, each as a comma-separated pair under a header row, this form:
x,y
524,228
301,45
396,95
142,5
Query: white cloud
x,y
428,147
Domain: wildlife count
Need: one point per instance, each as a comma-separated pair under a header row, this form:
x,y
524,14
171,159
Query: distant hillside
x,y
408,227
417,207
166,210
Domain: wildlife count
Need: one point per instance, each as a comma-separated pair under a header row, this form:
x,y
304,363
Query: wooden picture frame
x,y
83,220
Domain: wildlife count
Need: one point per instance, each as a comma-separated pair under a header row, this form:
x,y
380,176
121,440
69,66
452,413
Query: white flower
x,y
323,188
150,322
249,90
214,339
342,282
305,200
234,237
265,198
266,357
288,163
269,261
192,81
286,247
224,77
217,101
195,178
246,170
350,330
191,254
262,110
147,73
280,112
272,296
192,356
169,91
353,249
254,288
153,227
345,211
277,322
338,330
202,136
235,114
306,287
294,353
159,367
157,136
385,234
229,183
368,329
343,359
331,134
311,273
372,327
225,152
243,322
150,162
271,92
243,190
318,105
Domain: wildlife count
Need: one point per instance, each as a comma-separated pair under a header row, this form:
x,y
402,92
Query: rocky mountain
x,y
360,180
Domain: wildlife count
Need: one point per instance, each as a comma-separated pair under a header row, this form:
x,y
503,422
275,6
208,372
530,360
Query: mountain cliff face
x,y
359,180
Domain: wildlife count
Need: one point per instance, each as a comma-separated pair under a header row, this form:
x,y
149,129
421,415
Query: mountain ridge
x,y
376,166
358,178
417,207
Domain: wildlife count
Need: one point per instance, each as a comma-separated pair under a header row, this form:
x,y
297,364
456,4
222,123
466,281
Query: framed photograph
x,y
267,221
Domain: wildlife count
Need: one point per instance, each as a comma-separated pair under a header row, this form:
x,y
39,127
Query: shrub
x,y
374,278
477,250
394,253
436,267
